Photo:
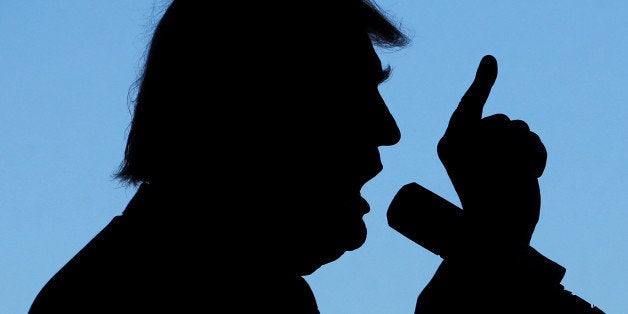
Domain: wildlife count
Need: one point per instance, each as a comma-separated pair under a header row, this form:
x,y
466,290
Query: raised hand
x,y
488,265
494,164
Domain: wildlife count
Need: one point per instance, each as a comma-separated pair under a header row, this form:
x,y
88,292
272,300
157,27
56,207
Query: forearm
x,y
498,283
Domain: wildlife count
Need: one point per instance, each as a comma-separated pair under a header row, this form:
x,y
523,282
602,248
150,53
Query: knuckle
x,y
497,117
520,124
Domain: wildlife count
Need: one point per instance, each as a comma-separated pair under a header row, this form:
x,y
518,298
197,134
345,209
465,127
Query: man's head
x,y
280,115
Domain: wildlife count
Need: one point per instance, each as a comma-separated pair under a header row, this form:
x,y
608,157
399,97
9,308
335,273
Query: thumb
x,y
470,108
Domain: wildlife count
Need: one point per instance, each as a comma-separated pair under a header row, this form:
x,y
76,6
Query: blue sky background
x,y
66,68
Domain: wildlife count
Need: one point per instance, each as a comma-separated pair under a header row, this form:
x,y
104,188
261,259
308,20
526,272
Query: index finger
x,y
472,103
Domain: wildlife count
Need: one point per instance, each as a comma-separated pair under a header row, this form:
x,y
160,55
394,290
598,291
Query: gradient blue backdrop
x,y
66,69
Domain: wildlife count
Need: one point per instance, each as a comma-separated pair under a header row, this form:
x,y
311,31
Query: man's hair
x,y
155,140
381,28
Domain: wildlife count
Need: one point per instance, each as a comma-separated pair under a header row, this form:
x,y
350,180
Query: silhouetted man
x,y
250,141
255,127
